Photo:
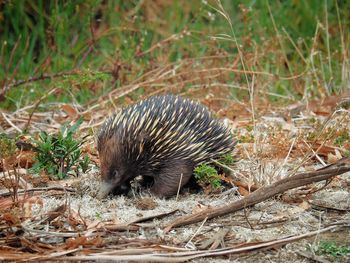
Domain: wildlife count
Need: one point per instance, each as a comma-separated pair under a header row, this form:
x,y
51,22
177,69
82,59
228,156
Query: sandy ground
x,y
265,221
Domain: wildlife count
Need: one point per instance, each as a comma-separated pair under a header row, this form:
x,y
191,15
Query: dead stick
x,y
262,194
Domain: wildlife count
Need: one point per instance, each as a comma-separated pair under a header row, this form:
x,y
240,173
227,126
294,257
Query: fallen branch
x,y
264,193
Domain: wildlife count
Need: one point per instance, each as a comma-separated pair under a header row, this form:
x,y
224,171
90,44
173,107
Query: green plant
x,y
206,174
332,249
98,216
7,146
227,159
58,154
342,138
247,138
84,163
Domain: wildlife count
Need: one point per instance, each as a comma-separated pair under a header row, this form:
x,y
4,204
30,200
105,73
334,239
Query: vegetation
x,y
59,154
330,248
227,159
7,146
343,138
207,175
85,49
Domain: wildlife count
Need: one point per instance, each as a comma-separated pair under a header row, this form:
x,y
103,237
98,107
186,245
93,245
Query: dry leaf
x,y
28,204
75,242
94,225
146,203
246,186
11,219
243,191
87,115
331,158
84,241
26,159
75,219
70,110
304,205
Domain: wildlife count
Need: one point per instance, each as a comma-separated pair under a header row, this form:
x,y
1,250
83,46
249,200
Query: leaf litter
x,y
63,220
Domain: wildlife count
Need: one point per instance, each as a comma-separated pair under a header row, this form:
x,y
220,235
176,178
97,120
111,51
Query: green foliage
x,y
207,175
88,76
58,154
312,135
98,216
7,146
247,138
331,248
227,159
249,128
342,138
84,163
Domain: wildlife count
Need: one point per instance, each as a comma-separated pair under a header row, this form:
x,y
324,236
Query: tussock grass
x,y
276,51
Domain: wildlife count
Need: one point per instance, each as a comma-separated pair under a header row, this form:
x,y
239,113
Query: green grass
x,y
330,248
342,138
93,37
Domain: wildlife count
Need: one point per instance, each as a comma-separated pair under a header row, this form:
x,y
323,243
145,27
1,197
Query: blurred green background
x,y
89,48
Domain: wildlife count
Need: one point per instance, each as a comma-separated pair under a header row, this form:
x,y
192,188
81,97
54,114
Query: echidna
x,y
162,137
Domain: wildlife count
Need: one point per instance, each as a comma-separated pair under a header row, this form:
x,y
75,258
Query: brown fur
x,y
167,182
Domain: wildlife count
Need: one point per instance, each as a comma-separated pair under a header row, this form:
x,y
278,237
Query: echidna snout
x,y
115,180
162,137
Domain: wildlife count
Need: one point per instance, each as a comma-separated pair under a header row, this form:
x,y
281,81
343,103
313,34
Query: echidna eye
x,y
116,174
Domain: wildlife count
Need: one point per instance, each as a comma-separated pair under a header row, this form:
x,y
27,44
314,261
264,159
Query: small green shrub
x,y
332,249
207,175
58,154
